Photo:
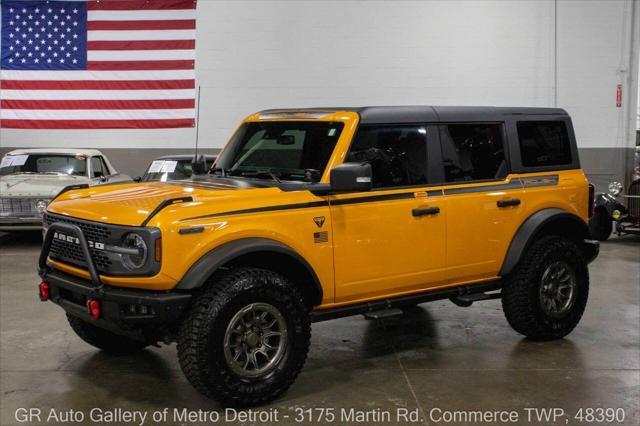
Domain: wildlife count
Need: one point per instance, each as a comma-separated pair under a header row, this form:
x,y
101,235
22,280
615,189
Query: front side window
x,y
44,163
472,152
397,154
544,143
98,168
284,150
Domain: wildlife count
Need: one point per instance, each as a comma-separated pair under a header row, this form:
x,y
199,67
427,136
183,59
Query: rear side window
x,y
544,143
473,152
397,154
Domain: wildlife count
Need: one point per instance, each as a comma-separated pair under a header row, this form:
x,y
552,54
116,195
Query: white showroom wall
x,y
253,55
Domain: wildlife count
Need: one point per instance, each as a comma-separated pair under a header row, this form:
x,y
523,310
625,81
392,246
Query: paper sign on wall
x,y
14,160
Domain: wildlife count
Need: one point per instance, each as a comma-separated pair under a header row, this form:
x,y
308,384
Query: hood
x,y
37,185
132,203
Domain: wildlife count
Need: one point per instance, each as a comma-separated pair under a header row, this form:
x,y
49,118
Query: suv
x,y
314,214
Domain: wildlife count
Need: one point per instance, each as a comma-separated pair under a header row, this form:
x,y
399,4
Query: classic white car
x,y
30,178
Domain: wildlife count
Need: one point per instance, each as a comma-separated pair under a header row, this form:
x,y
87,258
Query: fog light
x,y
616,214
93,306
43,290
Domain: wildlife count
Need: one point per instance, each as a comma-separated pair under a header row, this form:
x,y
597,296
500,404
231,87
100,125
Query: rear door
x,y
389,240
483,201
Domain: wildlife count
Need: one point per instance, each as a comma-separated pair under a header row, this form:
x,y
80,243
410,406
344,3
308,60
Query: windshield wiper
x,y
258,174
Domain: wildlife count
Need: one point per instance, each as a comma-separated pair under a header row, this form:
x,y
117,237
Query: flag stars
x,y
59,46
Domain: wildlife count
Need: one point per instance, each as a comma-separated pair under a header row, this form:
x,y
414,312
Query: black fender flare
x,y
608,203
200,271
530,228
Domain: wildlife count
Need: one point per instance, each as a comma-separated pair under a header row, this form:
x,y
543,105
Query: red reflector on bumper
x,y
93,306
43,291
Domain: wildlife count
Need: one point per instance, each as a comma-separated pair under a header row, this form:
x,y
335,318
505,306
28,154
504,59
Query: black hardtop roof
x,y
426,113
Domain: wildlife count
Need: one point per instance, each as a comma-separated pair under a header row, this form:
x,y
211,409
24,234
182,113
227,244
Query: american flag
x,y
97,64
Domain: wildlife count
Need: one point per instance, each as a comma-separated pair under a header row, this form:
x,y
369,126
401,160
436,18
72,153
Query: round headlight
x,y
136,242
41,206
615,188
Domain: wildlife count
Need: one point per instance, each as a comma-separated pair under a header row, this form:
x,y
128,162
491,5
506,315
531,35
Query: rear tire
x,y
105,340
545,297
246,337
600,225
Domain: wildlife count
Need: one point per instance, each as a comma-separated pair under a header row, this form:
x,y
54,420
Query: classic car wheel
x,y
600,225
545,297
246,337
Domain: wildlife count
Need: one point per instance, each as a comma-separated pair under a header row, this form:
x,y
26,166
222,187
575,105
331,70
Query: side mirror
x,y
351,177
103,178
347,177
137,179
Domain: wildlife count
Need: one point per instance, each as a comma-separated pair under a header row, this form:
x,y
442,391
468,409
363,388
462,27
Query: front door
x,y
389,240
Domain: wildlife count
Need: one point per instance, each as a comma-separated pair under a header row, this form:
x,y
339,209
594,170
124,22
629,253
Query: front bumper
x,y
20,223
121,309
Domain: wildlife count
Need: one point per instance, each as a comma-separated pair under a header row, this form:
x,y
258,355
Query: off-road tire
x,y
201,336
600,225
520,300
103,339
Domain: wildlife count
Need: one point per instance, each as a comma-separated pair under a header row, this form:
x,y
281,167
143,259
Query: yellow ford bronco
x,y
314,214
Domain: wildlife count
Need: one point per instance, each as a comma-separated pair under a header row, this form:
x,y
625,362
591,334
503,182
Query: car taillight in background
x,y
592,199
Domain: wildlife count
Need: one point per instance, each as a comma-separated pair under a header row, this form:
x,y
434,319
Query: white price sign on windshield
x,y
13,160
163,166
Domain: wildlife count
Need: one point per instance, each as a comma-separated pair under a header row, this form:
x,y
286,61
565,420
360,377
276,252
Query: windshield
x,y
280,150
165,170
44,163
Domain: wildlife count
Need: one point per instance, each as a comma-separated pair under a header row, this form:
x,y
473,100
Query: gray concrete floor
x,y
434,356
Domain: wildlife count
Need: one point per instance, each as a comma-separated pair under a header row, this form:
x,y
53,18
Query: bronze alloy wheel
x,y
557,292
255,340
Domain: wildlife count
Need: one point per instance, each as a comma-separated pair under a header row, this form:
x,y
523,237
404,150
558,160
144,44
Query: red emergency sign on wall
x,y
619,96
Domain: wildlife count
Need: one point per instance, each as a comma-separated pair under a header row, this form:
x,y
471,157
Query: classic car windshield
x,y
44,163
287,150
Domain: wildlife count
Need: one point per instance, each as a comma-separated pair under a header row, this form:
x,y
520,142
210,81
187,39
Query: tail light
x,y
93,306
592,199
43,291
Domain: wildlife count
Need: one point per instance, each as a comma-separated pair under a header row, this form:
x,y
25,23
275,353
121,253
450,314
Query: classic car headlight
x,y
41,206
134,261
615,188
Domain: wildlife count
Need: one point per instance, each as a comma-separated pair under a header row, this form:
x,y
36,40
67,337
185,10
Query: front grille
x,y
634,203
72,252
17,206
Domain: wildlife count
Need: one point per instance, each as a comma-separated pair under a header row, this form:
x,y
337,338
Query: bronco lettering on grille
x,y
75,240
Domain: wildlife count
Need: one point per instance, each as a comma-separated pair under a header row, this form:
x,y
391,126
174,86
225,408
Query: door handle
x,y
425,211
508,203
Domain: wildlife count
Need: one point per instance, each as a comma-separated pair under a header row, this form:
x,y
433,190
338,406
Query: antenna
x,y
197,123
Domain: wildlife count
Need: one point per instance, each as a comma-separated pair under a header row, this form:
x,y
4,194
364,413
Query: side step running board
x,y
468,299
397,303
383,313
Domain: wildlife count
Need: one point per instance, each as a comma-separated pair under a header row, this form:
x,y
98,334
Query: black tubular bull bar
x,y
73,230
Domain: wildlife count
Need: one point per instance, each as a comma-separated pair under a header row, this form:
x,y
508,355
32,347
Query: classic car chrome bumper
x,y
21,223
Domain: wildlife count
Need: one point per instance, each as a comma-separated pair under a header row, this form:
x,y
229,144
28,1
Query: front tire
x,y
545,297
246,337
103,339
600,225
